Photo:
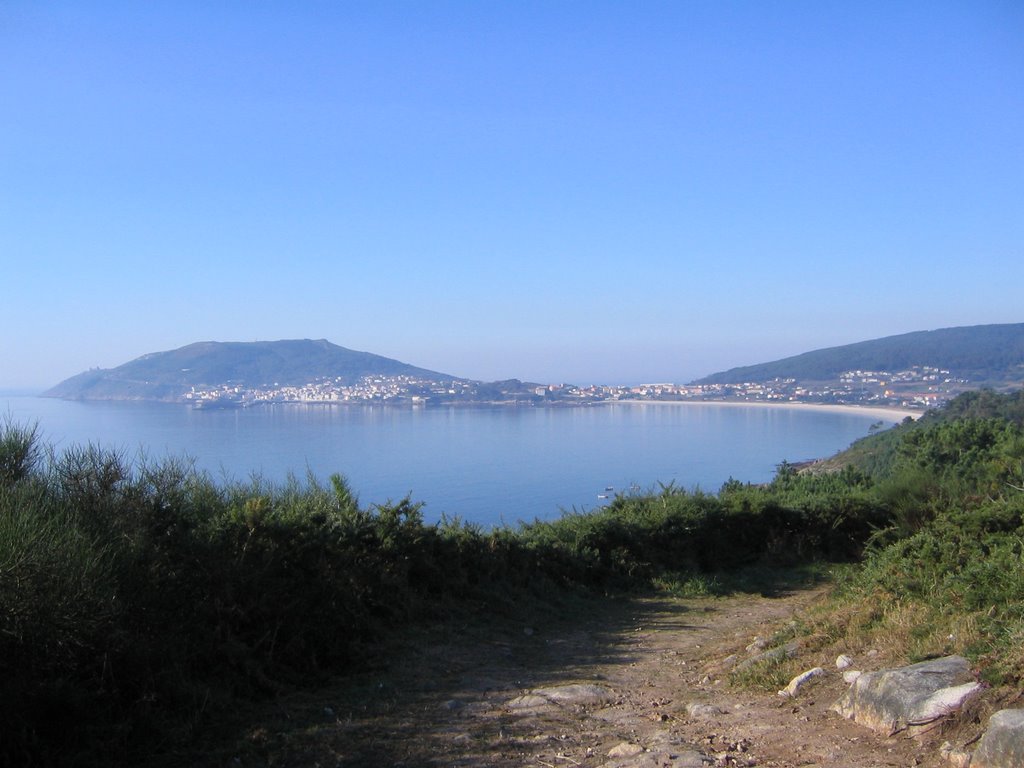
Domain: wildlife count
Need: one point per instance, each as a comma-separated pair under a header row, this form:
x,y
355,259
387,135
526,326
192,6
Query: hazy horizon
x,y
588,193
16,391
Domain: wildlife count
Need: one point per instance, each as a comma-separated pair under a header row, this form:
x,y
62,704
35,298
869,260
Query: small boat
x,y
602,495
609,487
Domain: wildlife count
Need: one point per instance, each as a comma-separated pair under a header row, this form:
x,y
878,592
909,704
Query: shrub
x,y
138,598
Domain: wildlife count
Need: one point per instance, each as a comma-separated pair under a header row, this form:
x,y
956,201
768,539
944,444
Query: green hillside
x,y
168,375
983,354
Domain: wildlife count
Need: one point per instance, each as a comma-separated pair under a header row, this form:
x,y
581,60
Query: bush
x,y
137,599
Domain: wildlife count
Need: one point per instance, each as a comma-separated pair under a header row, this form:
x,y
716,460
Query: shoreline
x,y
891,413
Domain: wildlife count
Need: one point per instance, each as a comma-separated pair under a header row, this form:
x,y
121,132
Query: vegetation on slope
x,y
981,353
947,573
169,375
876,454
138,601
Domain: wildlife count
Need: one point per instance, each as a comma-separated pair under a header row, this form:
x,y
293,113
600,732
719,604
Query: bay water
x,y
488,465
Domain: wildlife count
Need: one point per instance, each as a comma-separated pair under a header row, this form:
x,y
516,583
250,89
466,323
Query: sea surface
x,y
486,465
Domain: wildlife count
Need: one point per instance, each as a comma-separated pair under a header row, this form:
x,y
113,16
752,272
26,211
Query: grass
x,y
770,674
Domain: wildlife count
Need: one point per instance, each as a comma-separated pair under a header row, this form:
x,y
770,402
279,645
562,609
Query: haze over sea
x,y
485,465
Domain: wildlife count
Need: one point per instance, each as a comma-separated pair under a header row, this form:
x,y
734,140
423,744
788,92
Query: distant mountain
x,y
982,354
170,375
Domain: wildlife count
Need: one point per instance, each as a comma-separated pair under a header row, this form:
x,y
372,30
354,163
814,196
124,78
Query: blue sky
x,y
555,191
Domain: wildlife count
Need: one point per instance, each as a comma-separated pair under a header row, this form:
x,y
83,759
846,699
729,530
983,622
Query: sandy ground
x,y
891,414
454,694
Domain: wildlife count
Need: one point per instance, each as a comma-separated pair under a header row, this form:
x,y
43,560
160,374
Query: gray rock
x,y
625,749
1002,745
892,700
688,758
787,651
851,675
528,701
844,662
696,710
581,694
958,758
759,644
563,695
800,681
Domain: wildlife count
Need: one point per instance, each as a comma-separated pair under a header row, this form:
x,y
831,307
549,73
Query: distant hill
x,y
170,375
982,354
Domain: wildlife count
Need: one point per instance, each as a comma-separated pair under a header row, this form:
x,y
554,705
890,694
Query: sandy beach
x,y
890,414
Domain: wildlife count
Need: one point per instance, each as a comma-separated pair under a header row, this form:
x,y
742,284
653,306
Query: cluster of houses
x,y
919,386
368,389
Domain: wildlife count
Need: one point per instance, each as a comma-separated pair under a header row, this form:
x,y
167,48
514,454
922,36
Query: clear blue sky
x,y
555,191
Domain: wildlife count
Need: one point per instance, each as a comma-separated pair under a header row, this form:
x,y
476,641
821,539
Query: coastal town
x,y
917,387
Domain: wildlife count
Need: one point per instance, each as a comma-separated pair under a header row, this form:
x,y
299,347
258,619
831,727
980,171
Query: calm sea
x,y
487,465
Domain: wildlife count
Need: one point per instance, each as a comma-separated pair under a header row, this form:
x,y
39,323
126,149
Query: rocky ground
x,y
621,683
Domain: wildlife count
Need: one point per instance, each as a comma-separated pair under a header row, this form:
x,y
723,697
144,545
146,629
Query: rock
x,y
892,700
851,675
625,749
844,662
1002,745
528,701
787,651
663,751
696,710
662,759
800,681
759,644
563,695
581,694
958,758
452,705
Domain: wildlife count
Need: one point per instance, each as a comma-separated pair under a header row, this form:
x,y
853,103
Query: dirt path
x,y
618,687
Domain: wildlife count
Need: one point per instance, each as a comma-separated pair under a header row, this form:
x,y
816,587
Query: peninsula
x,y
916,371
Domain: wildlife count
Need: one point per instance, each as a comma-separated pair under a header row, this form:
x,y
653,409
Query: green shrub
x,y
20,452
138,598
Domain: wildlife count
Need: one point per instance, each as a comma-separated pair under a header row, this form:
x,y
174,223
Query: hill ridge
x,y
979,353
170,374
